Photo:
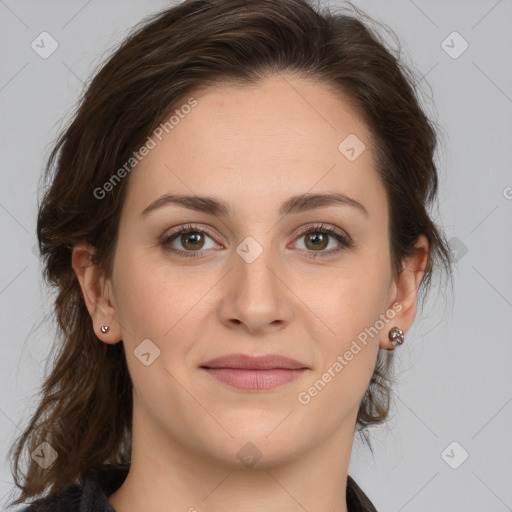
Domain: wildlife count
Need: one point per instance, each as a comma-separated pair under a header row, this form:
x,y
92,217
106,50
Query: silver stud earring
x,y
104,329
396,335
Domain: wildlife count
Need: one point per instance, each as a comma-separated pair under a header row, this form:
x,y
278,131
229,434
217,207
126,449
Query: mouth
x,y
247,362
254,380
254,373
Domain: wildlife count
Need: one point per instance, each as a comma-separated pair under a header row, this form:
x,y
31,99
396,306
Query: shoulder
x,y
66,500
89,494
357,501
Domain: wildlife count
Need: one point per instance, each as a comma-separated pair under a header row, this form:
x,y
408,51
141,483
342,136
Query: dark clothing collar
x,y
91,495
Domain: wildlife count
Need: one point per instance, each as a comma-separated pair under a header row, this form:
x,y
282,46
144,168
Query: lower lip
x,y
254,380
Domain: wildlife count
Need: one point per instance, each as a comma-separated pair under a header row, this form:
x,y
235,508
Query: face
x,y
263,275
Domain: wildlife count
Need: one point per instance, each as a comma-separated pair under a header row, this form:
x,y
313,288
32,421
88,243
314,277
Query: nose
x,y
255,295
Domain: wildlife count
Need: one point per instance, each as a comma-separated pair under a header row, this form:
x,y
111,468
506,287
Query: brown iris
x,y
319,240
192,239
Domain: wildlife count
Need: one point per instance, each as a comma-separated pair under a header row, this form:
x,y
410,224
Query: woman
x,y
236,223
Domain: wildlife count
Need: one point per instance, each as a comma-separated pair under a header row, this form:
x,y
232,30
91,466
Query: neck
x,y
168,476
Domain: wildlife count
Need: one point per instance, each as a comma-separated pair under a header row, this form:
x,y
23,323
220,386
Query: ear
x,y
404,291
97,292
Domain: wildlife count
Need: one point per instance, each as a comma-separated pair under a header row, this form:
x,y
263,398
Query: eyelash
x,y
317,228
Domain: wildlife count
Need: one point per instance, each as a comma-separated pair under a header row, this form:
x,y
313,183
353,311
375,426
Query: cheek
x,y
151,306
147,303
356,295
351,308
157,301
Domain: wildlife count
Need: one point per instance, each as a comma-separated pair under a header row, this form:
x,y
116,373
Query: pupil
x,y
189,239
318,240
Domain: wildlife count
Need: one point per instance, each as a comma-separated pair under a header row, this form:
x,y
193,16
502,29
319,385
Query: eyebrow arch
x,y
294,204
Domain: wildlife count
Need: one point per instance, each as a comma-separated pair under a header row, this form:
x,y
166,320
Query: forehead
x,y
282,136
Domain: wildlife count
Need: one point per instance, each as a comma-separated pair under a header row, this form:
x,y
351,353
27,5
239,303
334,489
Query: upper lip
x,y
246,362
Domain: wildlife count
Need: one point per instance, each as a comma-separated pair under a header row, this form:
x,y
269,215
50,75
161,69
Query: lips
x,y
253,374
246,362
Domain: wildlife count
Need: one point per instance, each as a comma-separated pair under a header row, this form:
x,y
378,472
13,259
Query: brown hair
x,y
85,412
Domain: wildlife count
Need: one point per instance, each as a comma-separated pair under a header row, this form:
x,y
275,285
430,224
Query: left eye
x,y
317,238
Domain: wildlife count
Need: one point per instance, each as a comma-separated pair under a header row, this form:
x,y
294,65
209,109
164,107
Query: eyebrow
x,y
217,207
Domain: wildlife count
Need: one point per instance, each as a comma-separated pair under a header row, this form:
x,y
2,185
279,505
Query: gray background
x,y
453,373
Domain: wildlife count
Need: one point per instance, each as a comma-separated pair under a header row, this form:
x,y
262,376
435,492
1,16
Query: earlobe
x,y
96,291
405,293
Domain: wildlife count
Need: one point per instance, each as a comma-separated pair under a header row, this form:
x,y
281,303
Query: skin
x,y
253,147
